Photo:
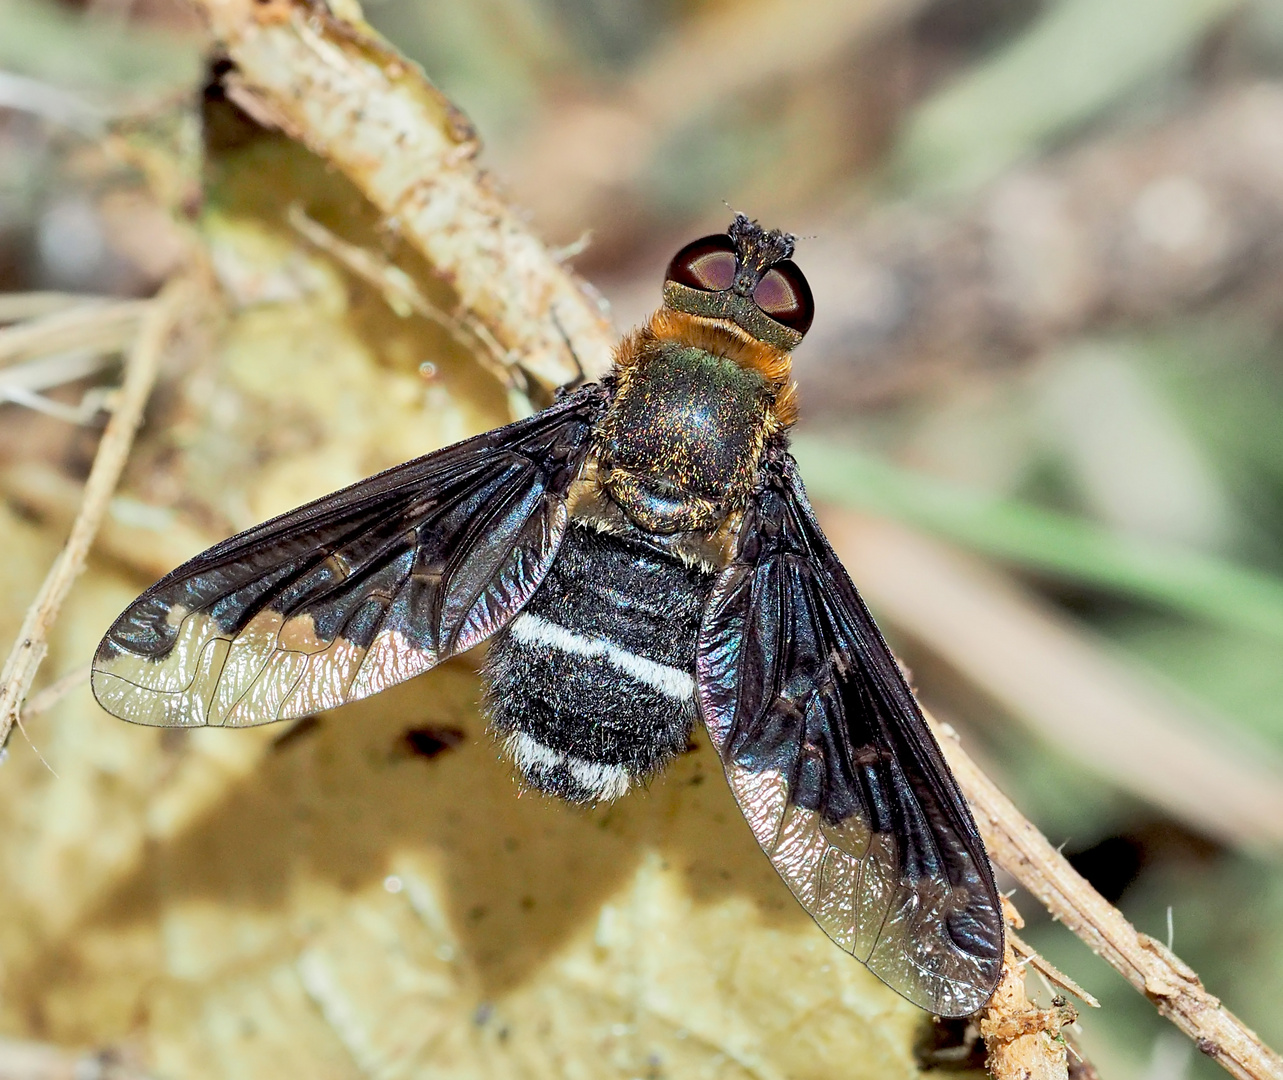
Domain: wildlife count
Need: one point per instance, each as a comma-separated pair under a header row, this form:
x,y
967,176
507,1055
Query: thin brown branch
x,y
1027,955
102,326
403,296
24,383
141,366
53,369
372,115
1015,844
57,690
30,305
398,288
1022,1040
150,547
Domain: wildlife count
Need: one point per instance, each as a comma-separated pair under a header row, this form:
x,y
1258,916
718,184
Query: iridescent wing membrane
x,y
834,767
356,592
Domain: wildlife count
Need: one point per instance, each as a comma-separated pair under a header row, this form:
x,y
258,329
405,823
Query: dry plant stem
x,y
401,293
1022,1040
141,367
149,550
1015,844
51,370
1025,955
47,698
90,325
372,114
1174,988
51,103
29,305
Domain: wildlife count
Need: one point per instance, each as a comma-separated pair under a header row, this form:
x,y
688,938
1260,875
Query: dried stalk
x,y
1015,844
51,103
47,698
403,296
371,114
1025,954
29,305
92,325
46,372
150,550
1023,1041
158,319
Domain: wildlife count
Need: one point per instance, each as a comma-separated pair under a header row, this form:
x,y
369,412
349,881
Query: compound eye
x,y
784,296
707,264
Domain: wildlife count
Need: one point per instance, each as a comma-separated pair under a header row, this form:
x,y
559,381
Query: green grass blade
x,y
1183,580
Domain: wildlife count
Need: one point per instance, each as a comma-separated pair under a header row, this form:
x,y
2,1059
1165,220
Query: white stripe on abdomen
x,y
670,681
603,782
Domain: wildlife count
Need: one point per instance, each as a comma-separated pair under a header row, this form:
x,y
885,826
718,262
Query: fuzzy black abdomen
x,y
591,686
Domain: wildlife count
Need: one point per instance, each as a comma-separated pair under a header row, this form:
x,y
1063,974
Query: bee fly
x,y
640,554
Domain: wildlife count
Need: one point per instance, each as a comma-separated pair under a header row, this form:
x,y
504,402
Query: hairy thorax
x,y
678,453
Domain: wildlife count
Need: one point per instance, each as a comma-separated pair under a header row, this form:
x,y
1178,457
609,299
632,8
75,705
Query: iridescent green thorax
x,y
682,440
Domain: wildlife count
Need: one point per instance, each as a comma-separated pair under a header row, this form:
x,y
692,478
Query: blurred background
x,y
1042,404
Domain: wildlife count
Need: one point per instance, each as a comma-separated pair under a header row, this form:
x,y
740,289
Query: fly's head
x,y
703,387
745,276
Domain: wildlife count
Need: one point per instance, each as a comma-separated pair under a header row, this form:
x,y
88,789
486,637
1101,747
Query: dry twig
x,y
102,326
337,87
22,384
1022,1040
403,296
1016,844
28,305
1174,988
141,366
1025,954
151,548
57,690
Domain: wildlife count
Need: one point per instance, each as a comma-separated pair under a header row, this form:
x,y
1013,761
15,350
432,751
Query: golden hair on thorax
x,y
719,337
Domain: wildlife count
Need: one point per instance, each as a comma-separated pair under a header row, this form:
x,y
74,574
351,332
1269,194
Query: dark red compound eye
x,y
707,264
784,296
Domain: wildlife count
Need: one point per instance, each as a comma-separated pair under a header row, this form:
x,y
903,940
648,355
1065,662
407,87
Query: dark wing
x,y
355,592
834,767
